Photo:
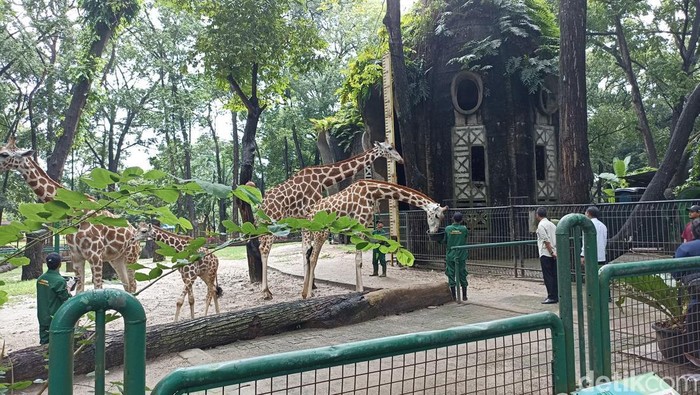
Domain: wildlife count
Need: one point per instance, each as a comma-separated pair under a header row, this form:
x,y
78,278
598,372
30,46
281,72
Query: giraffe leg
x,y
190,294
306,252
265,246
79,266
119,266
358,271
179,303
96,266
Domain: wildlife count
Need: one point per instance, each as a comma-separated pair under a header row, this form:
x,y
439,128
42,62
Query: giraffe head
x,y
388,151
11,157
435,216
144,231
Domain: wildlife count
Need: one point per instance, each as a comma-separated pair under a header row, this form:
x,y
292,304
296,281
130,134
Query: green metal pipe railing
x,y
579,223
609,272
494,245
199,378
63,328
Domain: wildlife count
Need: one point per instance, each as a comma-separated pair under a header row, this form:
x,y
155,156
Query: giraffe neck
x,y
40,182
339,171
174,240
383,190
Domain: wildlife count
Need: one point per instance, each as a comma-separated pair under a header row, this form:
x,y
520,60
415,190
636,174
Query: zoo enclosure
x,y
655,232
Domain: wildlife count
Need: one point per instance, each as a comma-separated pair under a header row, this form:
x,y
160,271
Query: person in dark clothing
x,y
51,292
378,257
456,259
693,213
691,281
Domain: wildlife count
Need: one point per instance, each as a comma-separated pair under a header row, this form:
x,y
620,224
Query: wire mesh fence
x,y
654,321
502,363
636,231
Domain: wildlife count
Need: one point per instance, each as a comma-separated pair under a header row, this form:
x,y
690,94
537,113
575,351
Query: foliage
x,y
527,37
671,300
362,75
615,180
134,184
345,125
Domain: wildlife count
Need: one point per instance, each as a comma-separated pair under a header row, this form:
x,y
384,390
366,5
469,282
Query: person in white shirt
x,y
593,213
547,245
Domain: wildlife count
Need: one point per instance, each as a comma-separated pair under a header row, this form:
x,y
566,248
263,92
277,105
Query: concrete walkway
x,y
490,299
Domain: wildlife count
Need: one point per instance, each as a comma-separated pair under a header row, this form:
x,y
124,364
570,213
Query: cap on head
x,y
53,260
694,209
457,217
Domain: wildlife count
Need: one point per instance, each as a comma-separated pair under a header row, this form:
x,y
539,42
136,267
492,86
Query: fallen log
x,y
225,328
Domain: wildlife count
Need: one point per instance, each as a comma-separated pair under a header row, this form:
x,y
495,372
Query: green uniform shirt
x,y
51,292
382,232
456,235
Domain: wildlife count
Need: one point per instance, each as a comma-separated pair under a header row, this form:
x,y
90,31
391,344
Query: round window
x,y
467,90
547,97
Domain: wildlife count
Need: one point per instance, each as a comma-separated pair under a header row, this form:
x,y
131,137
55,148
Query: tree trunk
x,y
626,64
287,170
80,91
247,161
576,175
236,162
669,166
35,253
226,328
402,94
297,147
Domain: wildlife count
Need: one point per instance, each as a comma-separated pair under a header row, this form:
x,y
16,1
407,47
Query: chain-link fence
x,y
653,314
521,355
636,231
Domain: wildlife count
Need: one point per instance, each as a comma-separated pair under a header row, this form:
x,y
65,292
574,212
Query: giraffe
x,y
204,268
94,243
293,197
357,201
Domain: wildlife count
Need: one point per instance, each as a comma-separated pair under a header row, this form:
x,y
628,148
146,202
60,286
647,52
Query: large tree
x,y
102,21
402,98
255,47
575,176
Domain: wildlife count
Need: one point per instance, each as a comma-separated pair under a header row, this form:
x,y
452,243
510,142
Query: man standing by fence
x,y
593,213
456,259
378,257
693,213
51,292
547,246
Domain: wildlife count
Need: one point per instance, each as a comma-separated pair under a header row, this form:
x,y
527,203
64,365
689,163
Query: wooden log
x,y
226,328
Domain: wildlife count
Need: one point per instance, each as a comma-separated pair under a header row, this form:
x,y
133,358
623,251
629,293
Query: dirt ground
x,y
20,327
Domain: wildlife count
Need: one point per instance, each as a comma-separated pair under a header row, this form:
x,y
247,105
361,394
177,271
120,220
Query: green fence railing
x,y
411,363
643,295
63,329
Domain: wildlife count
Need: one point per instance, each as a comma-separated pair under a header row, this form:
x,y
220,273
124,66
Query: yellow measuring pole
x,y
388,91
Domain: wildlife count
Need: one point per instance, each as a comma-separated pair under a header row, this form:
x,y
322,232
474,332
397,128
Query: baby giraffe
x,y
204,268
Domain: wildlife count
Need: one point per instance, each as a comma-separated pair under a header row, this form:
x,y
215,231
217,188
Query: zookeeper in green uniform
x,y
378,257
456,259
51,292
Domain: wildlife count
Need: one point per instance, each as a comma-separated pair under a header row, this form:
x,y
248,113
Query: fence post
x,y
63,328
566,224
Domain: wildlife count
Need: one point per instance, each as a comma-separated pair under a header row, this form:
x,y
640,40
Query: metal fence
x,y
649,322
521,355
653,232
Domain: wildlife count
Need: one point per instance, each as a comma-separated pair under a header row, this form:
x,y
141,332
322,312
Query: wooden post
x,y
389,138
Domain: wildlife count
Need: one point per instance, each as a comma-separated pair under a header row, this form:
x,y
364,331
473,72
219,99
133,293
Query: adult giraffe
x,y
357,201
94,243
293,197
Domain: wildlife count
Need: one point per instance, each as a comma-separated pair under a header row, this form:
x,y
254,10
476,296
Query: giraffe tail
x,y
219,290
